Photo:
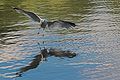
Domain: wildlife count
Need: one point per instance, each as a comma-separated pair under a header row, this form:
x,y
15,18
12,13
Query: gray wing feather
x,y
31,15
34,17
62,24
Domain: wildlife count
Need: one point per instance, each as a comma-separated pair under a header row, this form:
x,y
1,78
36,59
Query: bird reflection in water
x,y
43,57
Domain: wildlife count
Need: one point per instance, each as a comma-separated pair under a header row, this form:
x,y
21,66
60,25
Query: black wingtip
x,y
18,9
71,23
15,8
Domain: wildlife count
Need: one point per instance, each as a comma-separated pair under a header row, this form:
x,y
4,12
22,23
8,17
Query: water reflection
x,y
5,38
44,54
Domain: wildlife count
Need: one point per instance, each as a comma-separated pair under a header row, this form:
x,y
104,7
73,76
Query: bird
x,y
43,22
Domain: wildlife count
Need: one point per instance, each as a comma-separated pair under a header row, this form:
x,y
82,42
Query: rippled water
x,y
90,51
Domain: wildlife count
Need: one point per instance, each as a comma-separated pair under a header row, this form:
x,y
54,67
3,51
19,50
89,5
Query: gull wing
x,y
62,24
31,15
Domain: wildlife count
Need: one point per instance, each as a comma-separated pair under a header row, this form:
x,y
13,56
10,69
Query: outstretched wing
x,y
70,23
62,24
31,15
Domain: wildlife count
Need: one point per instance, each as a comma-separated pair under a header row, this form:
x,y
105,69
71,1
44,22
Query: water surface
x,y
90,51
